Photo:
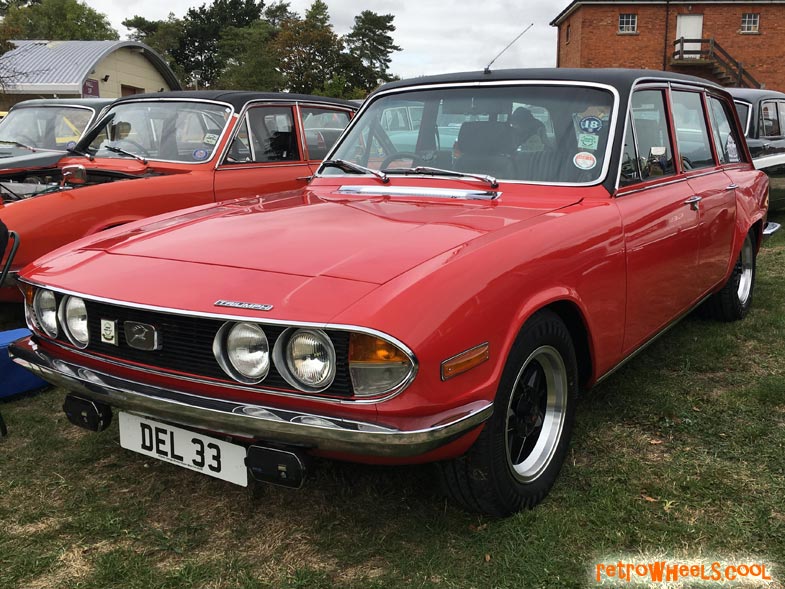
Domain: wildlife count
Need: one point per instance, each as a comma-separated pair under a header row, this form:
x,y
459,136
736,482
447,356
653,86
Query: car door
x,y
661,229
264,156
712,191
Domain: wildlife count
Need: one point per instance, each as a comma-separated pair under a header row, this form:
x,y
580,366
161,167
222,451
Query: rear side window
x,y
647,149
691,132
322,128
726,140
769,125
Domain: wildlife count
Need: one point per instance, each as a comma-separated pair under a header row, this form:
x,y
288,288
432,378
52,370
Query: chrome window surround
x,y
664,84
746,124
239,318
295,104
609,144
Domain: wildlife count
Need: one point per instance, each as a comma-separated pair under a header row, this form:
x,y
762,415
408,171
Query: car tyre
x,y
518,455
733,300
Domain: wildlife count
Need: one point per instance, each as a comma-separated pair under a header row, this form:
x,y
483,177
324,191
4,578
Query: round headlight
x,y
75,319
45,311
310,359
248,352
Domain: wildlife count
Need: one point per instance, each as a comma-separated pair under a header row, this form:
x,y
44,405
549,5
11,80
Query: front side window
x,y
322,128
178,131
530,133
628,23
692,135
647,150
750,22
769,124
267,134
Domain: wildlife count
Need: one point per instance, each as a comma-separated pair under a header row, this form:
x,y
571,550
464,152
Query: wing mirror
x,y
74,175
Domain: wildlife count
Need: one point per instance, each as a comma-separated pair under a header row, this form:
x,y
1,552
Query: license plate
x,y
185,448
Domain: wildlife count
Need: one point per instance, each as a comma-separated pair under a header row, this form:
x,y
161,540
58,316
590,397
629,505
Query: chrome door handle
x,y
693,202
732,187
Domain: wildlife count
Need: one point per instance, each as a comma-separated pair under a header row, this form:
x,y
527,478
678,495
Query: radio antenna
x,y
488,67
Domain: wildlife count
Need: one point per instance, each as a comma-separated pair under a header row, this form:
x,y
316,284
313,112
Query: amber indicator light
x,y
28,291
465,361
372,350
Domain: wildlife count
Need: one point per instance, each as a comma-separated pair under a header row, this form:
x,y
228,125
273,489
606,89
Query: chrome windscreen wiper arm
x,y
125,152
75,151
17,144
440,172
348,166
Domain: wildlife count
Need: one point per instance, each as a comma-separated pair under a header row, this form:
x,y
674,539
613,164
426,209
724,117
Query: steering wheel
x,y
401,155
134,144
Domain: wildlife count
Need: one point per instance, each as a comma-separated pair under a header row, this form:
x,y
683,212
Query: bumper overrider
x,y
246,420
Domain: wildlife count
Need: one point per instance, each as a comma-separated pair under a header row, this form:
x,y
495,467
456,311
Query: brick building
x,y
735,43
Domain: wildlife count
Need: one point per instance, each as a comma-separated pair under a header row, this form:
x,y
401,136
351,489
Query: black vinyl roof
x,y
754,94
622,79
238,98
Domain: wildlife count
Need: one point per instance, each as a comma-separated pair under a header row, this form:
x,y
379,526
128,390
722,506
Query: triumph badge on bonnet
x,y
242,305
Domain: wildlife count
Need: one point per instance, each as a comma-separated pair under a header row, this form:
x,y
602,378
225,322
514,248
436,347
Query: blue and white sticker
x,y
591,124
210,139
70,145
200,154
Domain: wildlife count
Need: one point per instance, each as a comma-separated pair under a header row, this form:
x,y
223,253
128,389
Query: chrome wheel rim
x,y
745,265
536,413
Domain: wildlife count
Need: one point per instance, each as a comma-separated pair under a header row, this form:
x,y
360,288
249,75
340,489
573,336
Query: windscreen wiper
x,y
427,170
75,151
126,152
17,144
347,166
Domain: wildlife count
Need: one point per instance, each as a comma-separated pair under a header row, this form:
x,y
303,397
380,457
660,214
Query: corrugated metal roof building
x,y
108,69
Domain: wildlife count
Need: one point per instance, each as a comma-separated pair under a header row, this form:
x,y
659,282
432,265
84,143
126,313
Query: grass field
x,y
680,454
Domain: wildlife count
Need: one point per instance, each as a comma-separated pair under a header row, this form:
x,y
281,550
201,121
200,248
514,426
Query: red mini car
x,y
180,149
439,293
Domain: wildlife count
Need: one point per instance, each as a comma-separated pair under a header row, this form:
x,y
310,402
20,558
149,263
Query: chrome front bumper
x,y
246,420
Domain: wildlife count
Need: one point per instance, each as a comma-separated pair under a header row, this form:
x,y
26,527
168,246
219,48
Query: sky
x,y
436,36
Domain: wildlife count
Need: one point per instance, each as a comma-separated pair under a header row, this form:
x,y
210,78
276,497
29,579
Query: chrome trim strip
x,y
267,423
650,341
337,326
419,191
608,146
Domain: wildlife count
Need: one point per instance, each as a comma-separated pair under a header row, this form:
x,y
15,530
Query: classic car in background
x,y
38,132
762,114
440,304
160,152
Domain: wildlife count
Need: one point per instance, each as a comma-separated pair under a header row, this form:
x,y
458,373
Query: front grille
x,y
187,345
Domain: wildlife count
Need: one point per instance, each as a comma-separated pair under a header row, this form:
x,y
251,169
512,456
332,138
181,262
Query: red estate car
x,y
180,149
435,297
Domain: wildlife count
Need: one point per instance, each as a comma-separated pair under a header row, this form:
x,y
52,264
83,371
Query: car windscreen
x,y
531,132
173,130
45,127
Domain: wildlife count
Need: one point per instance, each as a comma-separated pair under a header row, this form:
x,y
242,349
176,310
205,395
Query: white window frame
x,y
750,22
628,22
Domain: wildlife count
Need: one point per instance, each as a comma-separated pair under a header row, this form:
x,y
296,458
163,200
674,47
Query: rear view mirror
x,y
75,175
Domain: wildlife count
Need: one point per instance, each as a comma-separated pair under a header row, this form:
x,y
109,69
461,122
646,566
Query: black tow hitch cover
x,y
276,466
87,414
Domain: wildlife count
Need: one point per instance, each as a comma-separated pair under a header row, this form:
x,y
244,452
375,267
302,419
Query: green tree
x,y
56,19
308,50
249,65
6,4
197,50
371,43
279,12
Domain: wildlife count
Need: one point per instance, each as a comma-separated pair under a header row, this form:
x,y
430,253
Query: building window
x,y
628,23
750,22
567,34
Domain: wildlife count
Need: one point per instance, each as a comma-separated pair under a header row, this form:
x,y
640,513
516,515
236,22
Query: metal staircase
x,y
708,56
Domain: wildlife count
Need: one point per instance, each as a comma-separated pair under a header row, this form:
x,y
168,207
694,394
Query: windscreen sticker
x,y
584,160
210,139
200,154
591,124
588,141
733,152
